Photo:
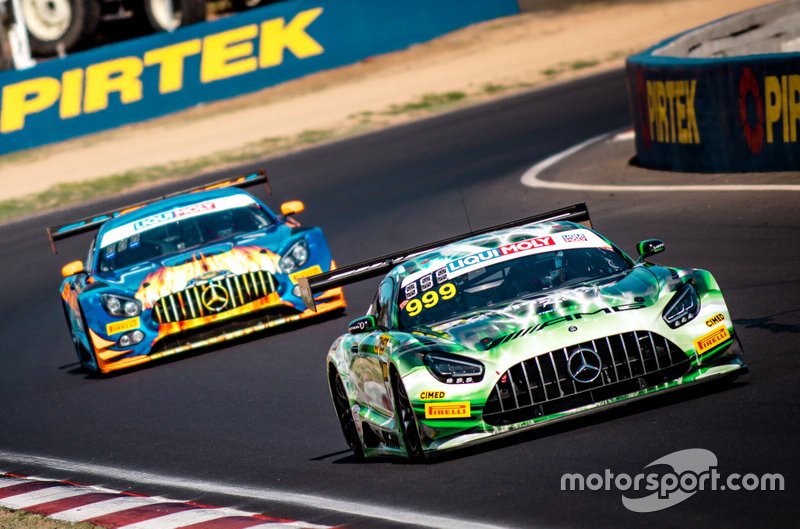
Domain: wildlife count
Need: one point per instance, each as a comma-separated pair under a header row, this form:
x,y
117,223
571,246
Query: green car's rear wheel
x,y
342,405
404,415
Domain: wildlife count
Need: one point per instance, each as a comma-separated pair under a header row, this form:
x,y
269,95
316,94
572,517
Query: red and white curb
x,y
66,501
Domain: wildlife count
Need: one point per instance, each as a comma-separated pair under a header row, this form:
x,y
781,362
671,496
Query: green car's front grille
x,y
554,382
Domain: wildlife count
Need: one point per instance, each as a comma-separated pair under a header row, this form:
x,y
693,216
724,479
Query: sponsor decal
x,y
202,207
133,229
711,340
713,320
380,347
122,326
770,114
753,126
449,410
308,272
385,369
671,111
502,251
170,69
431,395
160,218
574,237
782,107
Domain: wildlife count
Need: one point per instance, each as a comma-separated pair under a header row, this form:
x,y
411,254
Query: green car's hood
x,y
481,330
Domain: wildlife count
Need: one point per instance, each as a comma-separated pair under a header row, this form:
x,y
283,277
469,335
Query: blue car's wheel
x,y
85,354
342,405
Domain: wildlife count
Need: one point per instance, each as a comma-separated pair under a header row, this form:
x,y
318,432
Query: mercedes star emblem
x,y
215,297
584,365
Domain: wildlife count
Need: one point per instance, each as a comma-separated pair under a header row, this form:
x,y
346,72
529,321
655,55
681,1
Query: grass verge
x,y
25,520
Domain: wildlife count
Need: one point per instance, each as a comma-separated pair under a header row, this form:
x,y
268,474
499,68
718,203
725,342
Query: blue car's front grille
x,y
214,297
554,382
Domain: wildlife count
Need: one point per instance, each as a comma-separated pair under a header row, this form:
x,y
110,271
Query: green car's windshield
x,y
180,235
437,297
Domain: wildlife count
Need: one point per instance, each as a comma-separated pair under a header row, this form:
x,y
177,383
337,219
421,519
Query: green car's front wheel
x,y
404,415
342,405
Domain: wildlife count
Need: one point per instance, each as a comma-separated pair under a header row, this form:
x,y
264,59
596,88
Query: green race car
x,y
516,326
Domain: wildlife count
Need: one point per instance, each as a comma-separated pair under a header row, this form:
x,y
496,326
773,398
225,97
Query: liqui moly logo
x,y
202,207
499,253
186,211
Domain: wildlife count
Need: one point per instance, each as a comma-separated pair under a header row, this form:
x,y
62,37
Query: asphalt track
x,y
257,414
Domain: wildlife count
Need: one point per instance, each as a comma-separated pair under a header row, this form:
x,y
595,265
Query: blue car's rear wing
x,y
55,233
381,265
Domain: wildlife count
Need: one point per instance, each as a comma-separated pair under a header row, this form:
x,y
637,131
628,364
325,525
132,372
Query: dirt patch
x,y
484,61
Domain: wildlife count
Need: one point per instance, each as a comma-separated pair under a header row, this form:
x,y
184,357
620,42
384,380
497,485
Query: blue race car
x,y
191,269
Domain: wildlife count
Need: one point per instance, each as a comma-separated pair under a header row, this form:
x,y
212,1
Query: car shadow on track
x,y
626,410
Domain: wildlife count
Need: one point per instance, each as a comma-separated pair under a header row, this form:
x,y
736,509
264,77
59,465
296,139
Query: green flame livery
x,y
512,328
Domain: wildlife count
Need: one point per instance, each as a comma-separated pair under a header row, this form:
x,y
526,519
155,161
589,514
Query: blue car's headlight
x,y
120,306
453,369
295,257
683,307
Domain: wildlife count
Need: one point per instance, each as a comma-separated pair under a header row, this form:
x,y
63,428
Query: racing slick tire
x,y
86,356
55,23
407,421
348,424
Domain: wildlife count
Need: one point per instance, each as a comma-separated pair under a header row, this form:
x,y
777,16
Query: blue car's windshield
x,y
437,297
146,243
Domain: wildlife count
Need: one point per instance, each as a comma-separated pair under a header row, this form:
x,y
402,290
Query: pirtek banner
x,y
148,77
736,114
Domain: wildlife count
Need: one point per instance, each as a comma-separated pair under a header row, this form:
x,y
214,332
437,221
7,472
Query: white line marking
x,y
101,508
531,178
28,499
368,510
10,482
626,135
179,519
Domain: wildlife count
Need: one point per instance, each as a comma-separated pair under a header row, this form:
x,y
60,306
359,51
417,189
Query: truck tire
x,y
168,15
55,23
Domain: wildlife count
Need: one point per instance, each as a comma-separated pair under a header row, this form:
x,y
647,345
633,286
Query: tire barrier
x,y
724,97
144,78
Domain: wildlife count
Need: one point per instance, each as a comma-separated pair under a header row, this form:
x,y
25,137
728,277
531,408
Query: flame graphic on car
x,y
170,279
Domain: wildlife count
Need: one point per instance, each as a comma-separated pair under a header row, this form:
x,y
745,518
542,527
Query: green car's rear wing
x,y
381,265
55,233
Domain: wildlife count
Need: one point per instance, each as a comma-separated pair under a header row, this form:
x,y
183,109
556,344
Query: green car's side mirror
x,y
362,324
649,247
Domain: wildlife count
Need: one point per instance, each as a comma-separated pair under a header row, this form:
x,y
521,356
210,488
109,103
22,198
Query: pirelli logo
x,y
122,326
711,340
308,272
446,410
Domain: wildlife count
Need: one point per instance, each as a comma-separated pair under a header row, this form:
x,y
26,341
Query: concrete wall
x,y
721,98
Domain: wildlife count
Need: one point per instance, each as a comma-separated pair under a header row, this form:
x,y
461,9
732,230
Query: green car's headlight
x,y
683,307
120,306
453,369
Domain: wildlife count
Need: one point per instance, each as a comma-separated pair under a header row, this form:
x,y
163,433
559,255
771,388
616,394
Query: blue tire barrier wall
x,y
732,114
151,76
